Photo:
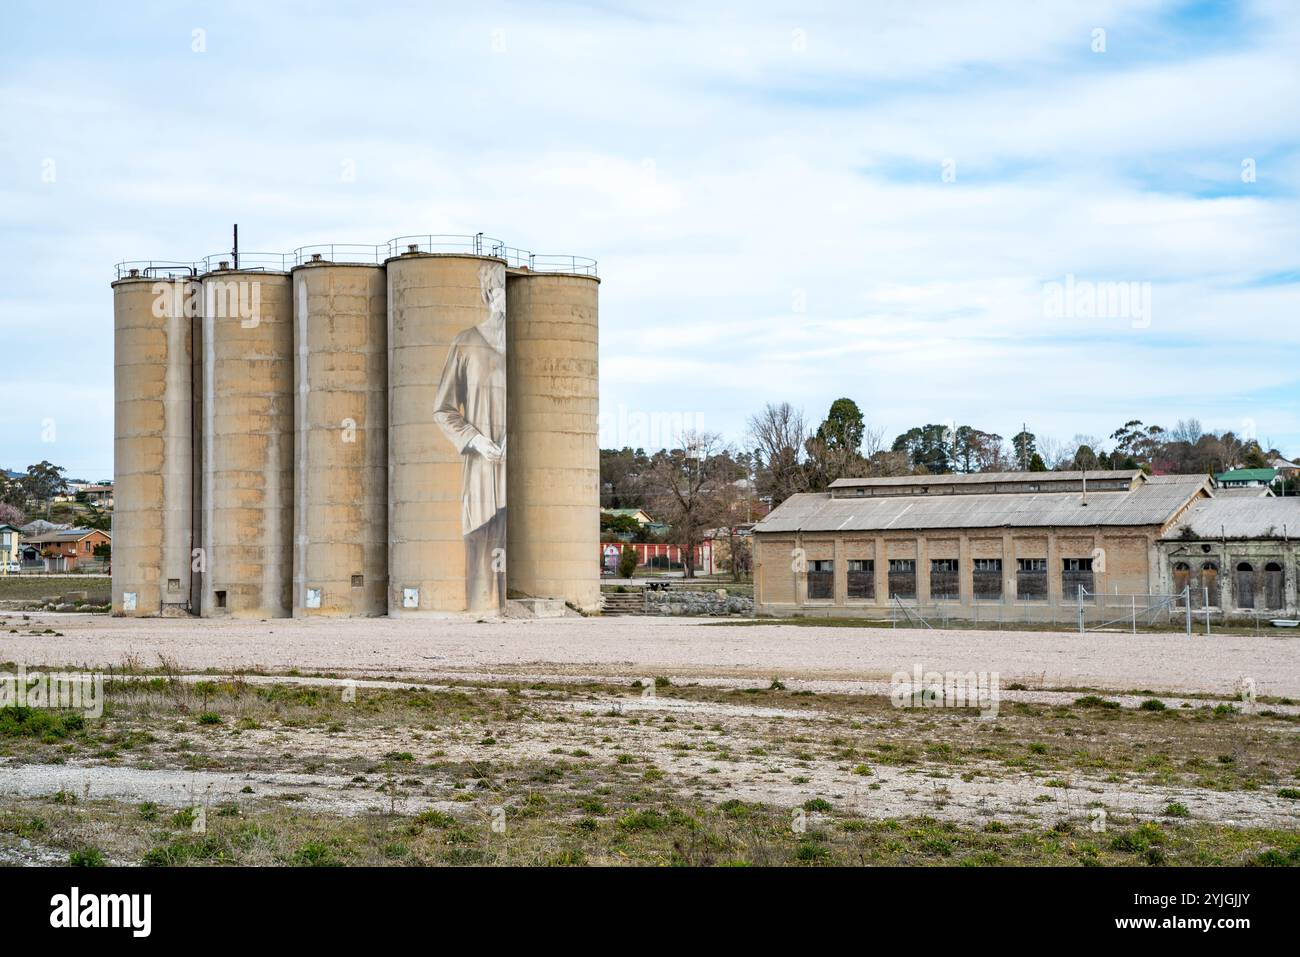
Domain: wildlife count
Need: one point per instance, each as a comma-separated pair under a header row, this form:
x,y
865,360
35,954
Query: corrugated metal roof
x,y
1153,502
985,478
1244,491
1235,517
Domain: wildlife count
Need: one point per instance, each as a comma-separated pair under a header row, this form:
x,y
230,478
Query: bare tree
x,y
778,435
691,489
1055,454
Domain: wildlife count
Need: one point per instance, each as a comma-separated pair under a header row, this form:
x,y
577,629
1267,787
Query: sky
x,y
926,207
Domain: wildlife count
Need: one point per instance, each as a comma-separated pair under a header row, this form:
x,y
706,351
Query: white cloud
x,y
770,222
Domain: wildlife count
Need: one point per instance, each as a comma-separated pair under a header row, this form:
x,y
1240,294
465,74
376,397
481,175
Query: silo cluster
x,y
337,431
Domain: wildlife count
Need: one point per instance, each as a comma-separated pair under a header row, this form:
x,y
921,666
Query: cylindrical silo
x,y
554,482
248,444
152,473
340,540
446,433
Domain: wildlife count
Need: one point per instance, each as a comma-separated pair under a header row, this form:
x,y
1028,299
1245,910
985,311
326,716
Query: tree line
x,y
708,485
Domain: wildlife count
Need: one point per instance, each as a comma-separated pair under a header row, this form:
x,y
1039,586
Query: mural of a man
x,y
471,410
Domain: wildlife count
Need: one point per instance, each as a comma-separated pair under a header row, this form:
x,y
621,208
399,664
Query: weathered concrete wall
x,y
1214,569
554,477
434,302
152,481
341,472
248,444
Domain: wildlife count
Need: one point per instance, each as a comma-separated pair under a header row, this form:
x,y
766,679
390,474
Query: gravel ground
x,y
680,648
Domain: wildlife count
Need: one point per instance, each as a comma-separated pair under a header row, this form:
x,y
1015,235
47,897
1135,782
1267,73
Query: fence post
x,y
1187,601
1079,599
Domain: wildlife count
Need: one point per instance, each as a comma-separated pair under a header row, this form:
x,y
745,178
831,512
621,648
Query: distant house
x,y
1246,478
9,536
642,517
95,493
1285,469
63,550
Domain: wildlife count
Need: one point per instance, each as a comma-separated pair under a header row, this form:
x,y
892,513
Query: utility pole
x,y
234,252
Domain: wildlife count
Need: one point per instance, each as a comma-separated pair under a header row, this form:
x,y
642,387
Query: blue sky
x,y
763,184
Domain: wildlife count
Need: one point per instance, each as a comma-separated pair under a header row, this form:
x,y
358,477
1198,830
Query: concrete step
x,y
622,603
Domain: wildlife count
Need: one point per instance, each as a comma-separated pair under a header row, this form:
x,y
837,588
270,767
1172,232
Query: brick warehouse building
x,y
1020,545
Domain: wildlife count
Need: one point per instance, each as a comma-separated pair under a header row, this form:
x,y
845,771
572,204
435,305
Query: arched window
x,y
1182,579
1210,582
1273,585
1245,585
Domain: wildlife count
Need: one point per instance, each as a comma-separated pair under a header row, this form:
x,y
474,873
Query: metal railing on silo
x,y
249,262
341,253
476,245
154,268
555,262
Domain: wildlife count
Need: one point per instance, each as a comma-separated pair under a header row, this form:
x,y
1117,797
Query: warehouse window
x,y
1210,583
1182,579
944,584
987,578
902,578
1031,579
821,579
1245,585
862,578
1273,585
1076,573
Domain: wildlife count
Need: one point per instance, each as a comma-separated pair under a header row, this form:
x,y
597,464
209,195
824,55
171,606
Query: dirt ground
x,y
645,741
680,648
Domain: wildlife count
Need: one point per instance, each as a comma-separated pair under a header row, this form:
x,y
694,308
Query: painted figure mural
x,y
471,410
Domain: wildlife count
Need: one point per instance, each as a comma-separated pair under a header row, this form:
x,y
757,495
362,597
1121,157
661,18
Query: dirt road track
x,y
678,647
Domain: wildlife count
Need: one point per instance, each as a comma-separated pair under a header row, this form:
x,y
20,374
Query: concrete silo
x,y
340,561
247,444
152,466
446,433
554,480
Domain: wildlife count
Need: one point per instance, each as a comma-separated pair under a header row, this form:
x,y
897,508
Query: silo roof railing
x,y
249,262
446,243
555,262
154,269
476,245
480,245
341,253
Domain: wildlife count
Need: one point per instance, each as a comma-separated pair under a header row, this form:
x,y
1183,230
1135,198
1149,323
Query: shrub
x,y
1093,701
86,857
627,562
